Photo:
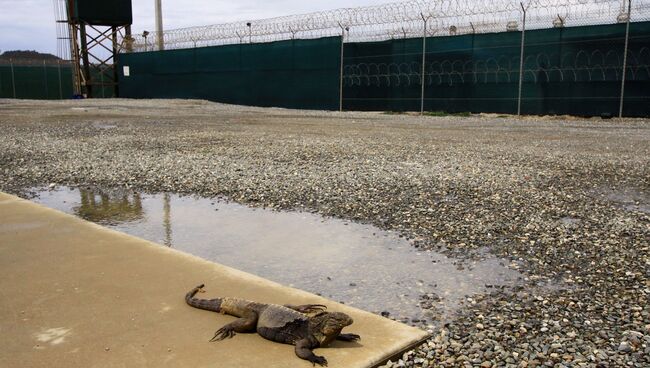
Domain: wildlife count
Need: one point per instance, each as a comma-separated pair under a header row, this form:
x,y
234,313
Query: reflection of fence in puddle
x,y
108,208
579,66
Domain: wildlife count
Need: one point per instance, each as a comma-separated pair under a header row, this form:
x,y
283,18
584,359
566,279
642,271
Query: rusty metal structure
x,y
91,34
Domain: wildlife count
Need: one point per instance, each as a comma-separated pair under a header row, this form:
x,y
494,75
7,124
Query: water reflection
x,y
108,208
167,222
303,250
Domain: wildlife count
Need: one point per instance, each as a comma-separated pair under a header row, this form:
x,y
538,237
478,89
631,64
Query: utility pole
x,y
159,26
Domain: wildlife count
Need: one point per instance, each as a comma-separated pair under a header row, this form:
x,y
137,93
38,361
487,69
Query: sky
x,y
29,24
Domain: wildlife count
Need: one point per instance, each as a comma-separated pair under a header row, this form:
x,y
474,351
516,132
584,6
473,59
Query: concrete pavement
x,y
75,294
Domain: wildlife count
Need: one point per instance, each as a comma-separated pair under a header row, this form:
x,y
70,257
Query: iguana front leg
x,y
307,308
303,351
348,337
247,323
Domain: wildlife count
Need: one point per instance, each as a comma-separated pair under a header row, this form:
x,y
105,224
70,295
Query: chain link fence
x,y
587,58
35,79
300,74
582,57
41,80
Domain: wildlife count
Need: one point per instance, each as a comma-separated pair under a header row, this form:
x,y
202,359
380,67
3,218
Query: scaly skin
x,y
305,326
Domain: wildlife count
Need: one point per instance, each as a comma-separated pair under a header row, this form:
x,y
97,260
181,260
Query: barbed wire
x,y
405,19
579,65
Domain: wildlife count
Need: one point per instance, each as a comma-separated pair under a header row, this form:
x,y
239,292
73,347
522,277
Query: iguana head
x,y
325,326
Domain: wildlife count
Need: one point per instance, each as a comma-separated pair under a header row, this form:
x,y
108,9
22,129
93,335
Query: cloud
x,y
29,24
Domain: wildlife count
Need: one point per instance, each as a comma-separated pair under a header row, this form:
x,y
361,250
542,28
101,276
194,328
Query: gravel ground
x,y
567,200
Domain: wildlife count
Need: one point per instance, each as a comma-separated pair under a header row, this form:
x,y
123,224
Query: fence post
x,y
101,76
341,68
627,38
60,88
13,77
424,58
521,60
47,92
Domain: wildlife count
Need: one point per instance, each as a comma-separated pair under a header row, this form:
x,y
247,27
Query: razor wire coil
x,y
406,19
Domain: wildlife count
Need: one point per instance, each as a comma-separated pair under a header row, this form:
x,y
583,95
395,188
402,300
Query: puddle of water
x,y
357,264
104,126
569,222
630,199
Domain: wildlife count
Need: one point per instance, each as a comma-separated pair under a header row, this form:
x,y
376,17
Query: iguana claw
x,y
222,334
318,360
348,337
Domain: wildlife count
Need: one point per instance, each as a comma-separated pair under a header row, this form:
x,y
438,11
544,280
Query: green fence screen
x,y
41,82
293,74
575,70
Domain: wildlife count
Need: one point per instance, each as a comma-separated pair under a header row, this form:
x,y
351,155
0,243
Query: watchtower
x,y
99,29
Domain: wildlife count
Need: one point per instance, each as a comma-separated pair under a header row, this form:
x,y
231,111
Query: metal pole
x,y
341,68
13,77
521,60
87,79
101,76
159,26
60,88
47,94
424,57
76,60
627,38
116,86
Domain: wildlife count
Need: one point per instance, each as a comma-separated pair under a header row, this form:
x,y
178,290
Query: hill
x,y
27,55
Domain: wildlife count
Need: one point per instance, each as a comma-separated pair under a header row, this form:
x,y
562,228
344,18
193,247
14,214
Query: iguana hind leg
x,y
307,308
246,323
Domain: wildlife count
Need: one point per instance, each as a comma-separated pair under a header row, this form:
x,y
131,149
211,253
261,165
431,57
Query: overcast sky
x,y
29,24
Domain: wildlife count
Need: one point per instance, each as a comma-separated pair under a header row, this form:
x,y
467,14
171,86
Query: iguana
x,y
305,326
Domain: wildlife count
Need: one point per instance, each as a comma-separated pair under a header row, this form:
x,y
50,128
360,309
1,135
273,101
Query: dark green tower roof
x,y
101,12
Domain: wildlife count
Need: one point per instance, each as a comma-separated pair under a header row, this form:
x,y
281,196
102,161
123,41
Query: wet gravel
x,y
565,200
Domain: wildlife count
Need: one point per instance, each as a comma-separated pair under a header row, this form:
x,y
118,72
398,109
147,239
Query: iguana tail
x,y
213,305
